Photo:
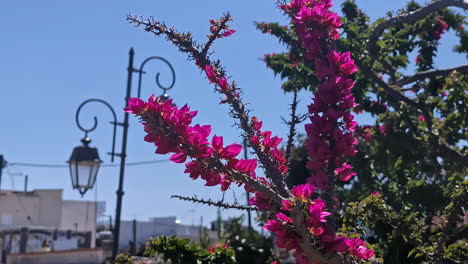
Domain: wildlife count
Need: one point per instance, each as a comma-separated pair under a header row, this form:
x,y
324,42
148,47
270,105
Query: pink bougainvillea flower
x,y
358,248
228,32
135,105
304,191
338,244
345,173
178,158
210,73
287,205
284,218
231,151
217,143
262,202
223,84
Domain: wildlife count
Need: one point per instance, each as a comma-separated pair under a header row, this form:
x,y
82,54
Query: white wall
x,y
45,208
156,226
79,216
91,256
37,208
50,203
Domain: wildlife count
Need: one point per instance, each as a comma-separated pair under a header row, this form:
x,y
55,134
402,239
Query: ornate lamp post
x,y
84,161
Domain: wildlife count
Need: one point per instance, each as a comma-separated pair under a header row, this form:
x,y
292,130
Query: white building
x,y
50,221
158,226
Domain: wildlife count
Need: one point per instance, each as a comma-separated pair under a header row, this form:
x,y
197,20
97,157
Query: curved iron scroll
x,y
87,130
157,75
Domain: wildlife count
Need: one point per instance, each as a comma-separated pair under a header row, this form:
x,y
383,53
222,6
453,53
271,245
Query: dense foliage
x,y
411,163
235,245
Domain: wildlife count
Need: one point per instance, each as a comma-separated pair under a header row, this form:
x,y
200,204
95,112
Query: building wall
x,y
145,230
37,208
50,207
89,256
46,208
79,216
158,226
32,239
18,209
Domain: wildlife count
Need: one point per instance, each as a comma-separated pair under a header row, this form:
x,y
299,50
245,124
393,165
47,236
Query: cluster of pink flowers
x,y
268,145
169,128
314,23
282,224
421,118
441,27
213,248
330,135
367,132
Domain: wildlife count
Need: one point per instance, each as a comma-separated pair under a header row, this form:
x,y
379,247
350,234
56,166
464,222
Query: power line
x,y
53,166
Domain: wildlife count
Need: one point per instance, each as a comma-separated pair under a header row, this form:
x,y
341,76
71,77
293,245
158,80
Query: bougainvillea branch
x,y
170,129
210,202
264,145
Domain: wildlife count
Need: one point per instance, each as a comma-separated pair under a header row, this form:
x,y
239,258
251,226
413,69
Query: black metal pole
x,y
26,183
123,153
134,231
1,169
249,218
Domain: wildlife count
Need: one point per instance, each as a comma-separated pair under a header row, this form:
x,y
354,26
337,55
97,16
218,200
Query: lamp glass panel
x,y
73,175
94,172
85,171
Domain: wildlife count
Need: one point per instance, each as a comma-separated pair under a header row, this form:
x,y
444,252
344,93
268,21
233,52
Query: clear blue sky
x,y
56,54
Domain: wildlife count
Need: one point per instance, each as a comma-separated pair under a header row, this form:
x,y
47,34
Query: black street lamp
x,y
84,162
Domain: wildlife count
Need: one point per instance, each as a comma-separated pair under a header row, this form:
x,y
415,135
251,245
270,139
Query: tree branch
x,y
453,154
411,17
442,148
394,94
432,73
210,202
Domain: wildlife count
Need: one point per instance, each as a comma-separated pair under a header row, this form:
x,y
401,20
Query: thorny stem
x,y
292,127
210,202
223,25
186,44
